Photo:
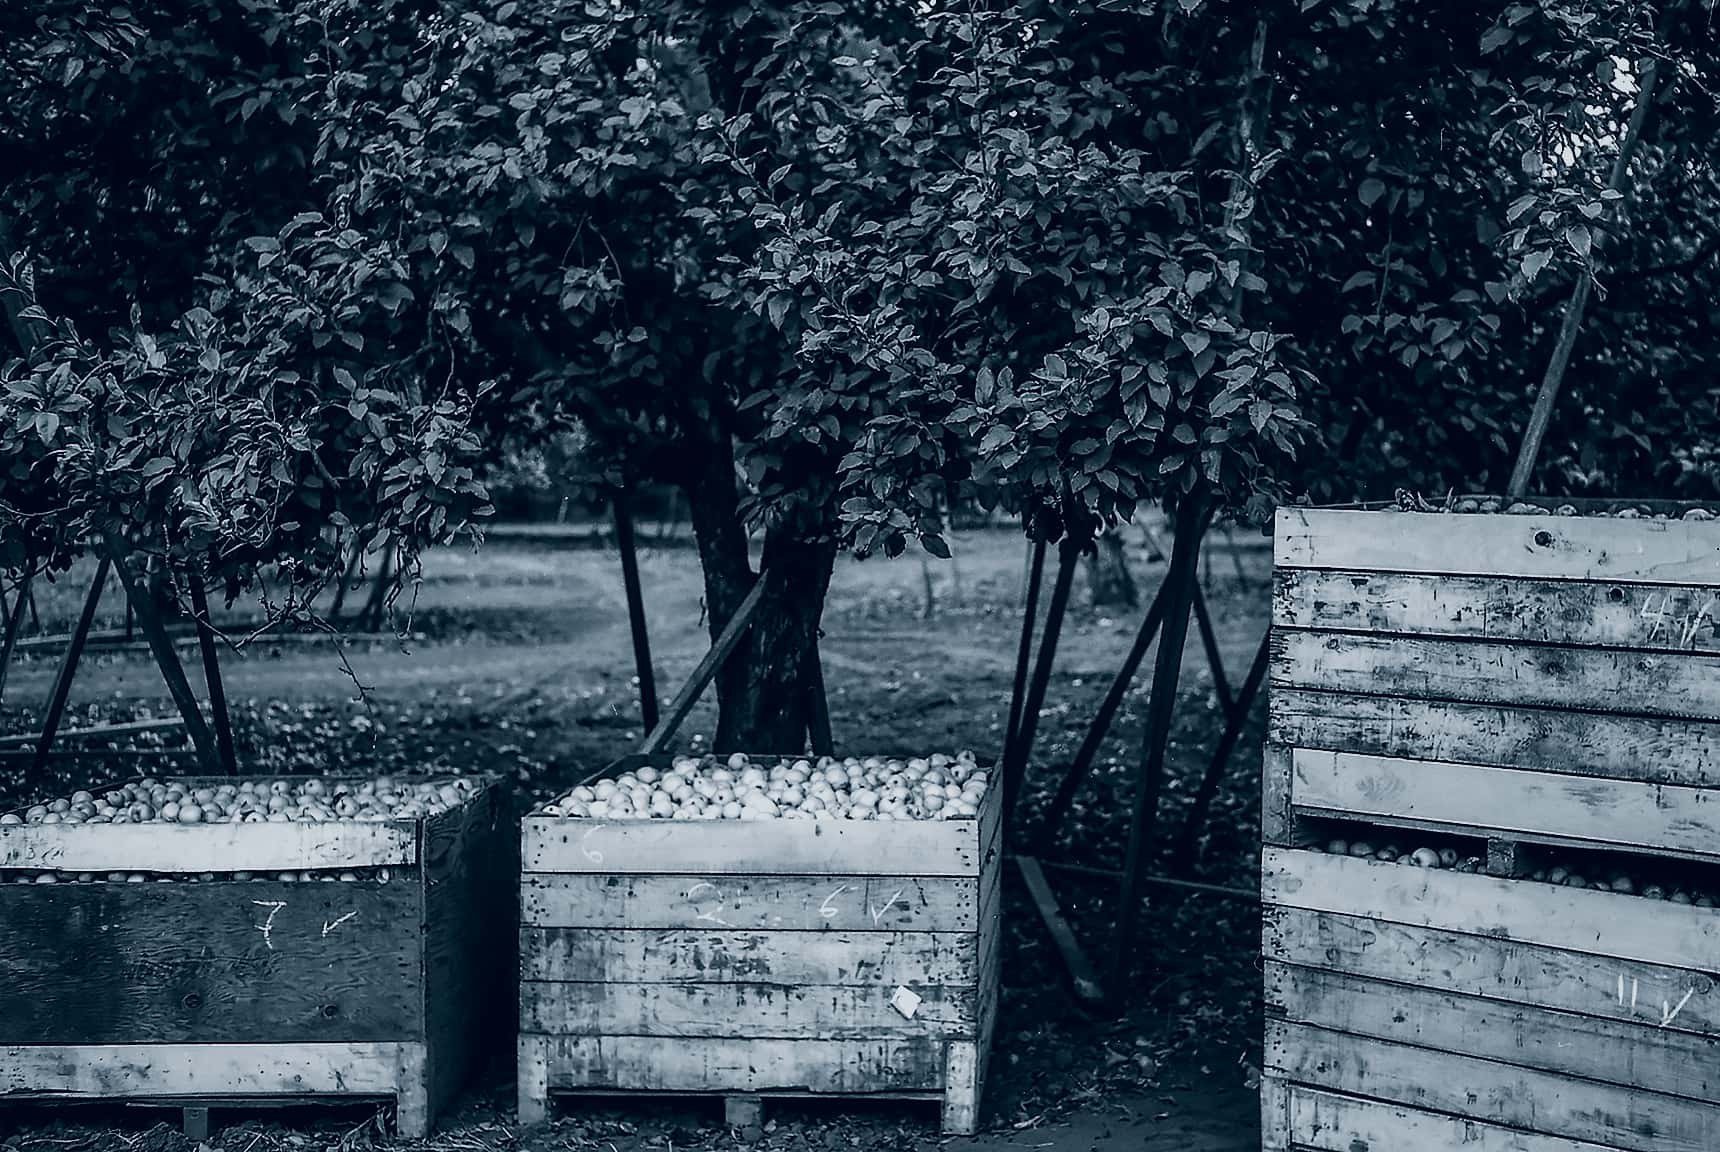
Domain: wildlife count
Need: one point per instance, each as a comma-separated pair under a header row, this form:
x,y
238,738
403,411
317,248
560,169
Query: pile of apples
x,y
1557,874
326,876
152,801
1623,512
936,787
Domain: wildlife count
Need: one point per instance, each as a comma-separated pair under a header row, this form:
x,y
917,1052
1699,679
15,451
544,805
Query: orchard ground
x,y
519,660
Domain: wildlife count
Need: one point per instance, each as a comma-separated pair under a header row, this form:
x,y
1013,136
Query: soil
x,y
520,661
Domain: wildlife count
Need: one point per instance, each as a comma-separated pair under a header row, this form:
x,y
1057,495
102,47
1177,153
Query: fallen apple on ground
x,y
257,801
740,787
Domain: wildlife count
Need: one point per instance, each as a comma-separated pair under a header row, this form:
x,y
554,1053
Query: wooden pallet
x,y
389,986
1523,685
759,958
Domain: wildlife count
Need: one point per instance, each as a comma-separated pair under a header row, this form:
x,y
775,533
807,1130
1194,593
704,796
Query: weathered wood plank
x,y
1621,747
153,1071
1506,970
1277,822
1593,679
960,1113
531,1081
1581,920
690,956
1600,1113
1468,797
716,847
644,1063
758,1011
256,961
1646,617
1324,1122
707,902
1548,547
207,847
1616,1052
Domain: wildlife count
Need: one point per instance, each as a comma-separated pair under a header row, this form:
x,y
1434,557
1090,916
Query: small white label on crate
x,y
906,1002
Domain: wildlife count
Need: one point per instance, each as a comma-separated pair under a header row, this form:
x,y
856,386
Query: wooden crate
x,y
1523,684
759,958
221,991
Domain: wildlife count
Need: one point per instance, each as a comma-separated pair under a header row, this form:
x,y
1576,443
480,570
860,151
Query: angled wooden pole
x,y
212,675
1214,658
1235,721
1024,651
1161,707
1102,721
14,621
1081,972
624,542
166,656
61,691
1021,748
706,671
1553,379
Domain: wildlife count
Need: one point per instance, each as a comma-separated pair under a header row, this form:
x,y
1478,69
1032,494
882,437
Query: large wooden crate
x,y
759,958
207,990
1522,687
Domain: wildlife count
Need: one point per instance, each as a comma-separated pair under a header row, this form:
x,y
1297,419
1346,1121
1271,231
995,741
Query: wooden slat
x,y
757,1011
1582,920
1600,1113
147,1071
1620,1053
257,962
1504,970
1592,679
760,847
1595,812
643,1063
1648,617
207,847
1548,547
1680,752
885,959
715,902
1326,1122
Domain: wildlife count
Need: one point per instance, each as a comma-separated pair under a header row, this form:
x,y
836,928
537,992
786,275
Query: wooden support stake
x,y
706,670
1235,721
818,708
1542,414
14,621
1021,749
1101,725
1024,652
1180,584
1154,881
1214,658
166,656
635,607
62,687
1081,973
212,675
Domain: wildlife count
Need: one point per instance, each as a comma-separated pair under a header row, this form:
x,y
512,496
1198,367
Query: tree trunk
x,y
762,704
1108,575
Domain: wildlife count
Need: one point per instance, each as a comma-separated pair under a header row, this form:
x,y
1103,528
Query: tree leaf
x,y
1370,191
1580,239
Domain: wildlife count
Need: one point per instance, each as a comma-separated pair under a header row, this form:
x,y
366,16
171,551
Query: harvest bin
x,y
1540,695
758,958
232,990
